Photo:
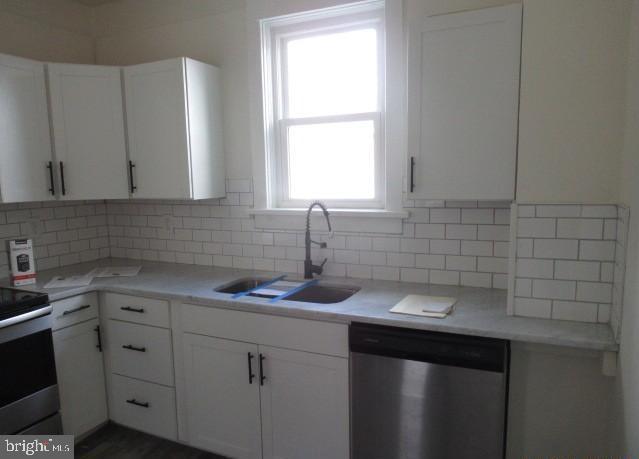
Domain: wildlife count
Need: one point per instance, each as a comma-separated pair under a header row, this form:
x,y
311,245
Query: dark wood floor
x,y
116,442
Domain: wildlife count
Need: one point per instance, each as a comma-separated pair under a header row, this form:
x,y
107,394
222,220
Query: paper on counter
x,y
77,280
425,306
117,271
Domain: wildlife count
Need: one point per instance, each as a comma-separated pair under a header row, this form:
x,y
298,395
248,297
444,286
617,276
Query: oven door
x,y
28,383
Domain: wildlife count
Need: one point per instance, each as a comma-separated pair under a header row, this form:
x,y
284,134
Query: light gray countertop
x,y
479,311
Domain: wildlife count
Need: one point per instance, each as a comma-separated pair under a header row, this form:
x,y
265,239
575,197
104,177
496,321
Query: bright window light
x,y
332,74
332,160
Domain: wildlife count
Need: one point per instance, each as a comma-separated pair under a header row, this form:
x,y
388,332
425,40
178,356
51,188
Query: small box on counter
x,y
22,262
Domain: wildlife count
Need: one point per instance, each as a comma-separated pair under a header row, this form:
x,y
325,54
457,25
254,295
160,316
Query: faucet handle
x,y
323,263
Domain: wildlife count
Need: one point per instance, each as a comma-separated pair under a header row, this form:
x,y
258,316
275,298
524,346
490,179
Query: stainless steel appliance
x,y
426,395
29,400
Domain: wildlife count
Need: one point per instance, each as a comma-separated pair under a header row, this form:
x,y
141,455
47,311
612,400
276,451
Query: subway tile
x,y
524,248
580,228
523,287
558,210
402,260
461,263
594,291
597,250
538,269
470,279
484,216
359,271
386,273
467,232
372,258
493,232
502,249
492,265
575,311
554,289
414,275
430,261
478,248
386,244
556,248
525,211
610,230
414,245
536,227
445,247
604,211
444,277
445,215
359,243
577,270
430,231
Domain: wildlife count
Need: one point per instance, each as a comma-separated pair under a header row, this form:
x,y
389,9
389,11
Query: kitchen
x,y
171,136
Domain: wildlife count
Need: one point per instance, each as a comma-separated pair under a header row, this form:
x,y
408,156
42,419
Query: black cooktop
x,y
14,302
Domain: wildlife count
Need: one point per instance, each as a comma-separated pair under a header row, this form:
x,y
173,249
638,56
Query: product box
x,y
22,262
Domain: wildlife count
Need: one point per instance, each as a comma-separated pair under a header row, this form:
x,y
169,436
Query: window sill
x,y
349,220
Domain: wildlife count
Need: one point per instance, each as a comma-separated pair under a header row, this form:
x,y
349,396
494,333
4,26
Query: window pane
x,y
332,74
332,160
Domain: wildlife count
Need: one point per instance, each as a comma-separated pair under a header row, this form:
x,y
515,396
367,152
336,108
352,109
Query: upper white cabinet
x,y
26,169
88,131
463,98
174,130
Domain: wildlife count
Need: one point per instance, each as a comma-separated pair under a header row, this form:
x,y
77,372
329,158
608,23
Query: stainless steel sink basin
x,y
316,293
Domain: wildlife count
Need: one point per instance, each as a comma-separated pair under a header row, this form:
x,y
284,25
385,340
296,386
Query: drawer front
x,y
140,352
136,309
285,332
74,310
143,406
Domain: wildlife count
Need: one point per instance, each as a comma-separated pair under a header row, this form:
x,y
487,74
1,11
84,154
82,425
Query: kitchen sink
x,y
315,293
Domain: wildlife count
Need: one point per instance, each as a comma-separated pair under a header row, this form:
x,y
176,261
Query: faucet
x,y
309,267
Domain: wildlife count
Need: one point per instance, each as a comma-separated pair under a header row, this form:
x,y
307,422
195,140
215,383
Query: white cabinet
x,y
25,142
80,377
174,130
222,404
463,97
88,131
305,405
246,396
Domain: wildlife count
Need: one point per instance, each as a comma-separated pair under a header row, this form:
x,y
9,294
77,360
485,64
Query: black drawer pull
x,y
262,377
79,308
99,345
64,188
250,365
412,174
130,309
133,348
131,184
52,188
136,403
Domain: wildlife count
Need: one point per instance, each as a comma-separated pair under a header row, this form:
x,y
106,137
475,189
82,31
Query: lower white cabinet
x,y
222,403
305,409
80,377
249,400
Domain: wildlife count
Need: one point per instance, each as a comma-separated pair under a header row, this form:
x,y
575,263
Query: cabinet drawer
x,y
286,332
140,352
74,310
136,309
143,406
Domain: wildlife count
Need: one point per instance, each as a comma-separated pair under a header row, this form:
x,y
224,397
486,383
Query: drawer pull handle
x,y
133,348
79,308
136,403
262,377
250,369
99,345
130,309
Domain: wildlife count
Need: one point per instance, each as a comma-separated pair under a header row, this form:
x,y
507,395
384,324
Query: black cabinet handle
x,y
136,403
52,187
130,309
133,348
412,174
250,366
131,183
262,377
64,188
79,308
99,345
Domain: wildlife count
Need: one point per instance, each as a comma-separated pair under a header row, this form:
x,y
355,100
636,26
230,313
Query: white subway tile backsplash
x,y
467,232
461,263
484,216
576,311
493,232
524,248
559,210
533,268
430,231
594,291
472,279
492,265
523,287
445,247
445,215
577,270
536,227
386,273
414,245
532,307
444,277
597,250
478,248
606,211
554,289
430,261
579,228
556,248
414,275
402,260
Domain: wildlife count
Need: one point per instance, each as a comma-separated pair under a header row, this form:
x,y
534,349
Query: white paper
x,y
118,271
78,280
427,306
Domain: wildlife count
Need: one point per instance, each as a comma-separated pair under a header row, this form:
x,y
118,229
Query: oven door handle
x,y
25,324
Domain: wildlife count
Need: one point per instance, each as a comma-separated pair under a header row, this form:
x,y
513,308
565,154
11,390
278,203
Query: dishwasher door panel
x,y
406,409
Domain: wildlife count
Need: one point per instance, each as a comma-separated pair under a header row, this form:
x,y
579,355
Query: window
x,y
323,76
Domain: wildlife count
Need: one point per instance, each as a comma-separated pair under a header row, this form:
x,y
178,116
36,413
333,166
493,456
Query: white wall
x,y
131,32
572,88
54,30
627,406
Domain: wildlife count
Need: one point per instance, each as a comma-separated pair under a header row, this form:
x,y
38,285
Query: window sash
x,y
278,162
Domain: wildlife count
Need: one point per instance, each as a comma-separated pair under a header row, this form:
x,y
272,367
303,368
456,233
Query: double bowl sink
x,y
315,293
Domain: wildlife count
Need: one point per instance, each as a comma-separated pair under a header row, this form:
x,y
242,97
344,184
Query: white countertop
x,y
478,312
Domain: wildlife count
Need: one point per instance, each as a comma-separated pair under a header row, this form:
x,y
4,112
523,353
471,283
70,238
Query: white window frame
x,y
276,32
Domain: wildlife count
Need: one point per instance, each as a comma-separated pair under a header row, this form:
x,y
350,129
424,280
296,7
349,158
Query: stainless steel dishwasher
x,y
427,395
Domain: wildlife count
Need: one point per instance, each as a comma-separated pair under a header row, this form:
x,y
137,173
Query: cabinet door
x,y
88,131
463,104
157,129
222,406
305,411
25,140
80,377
